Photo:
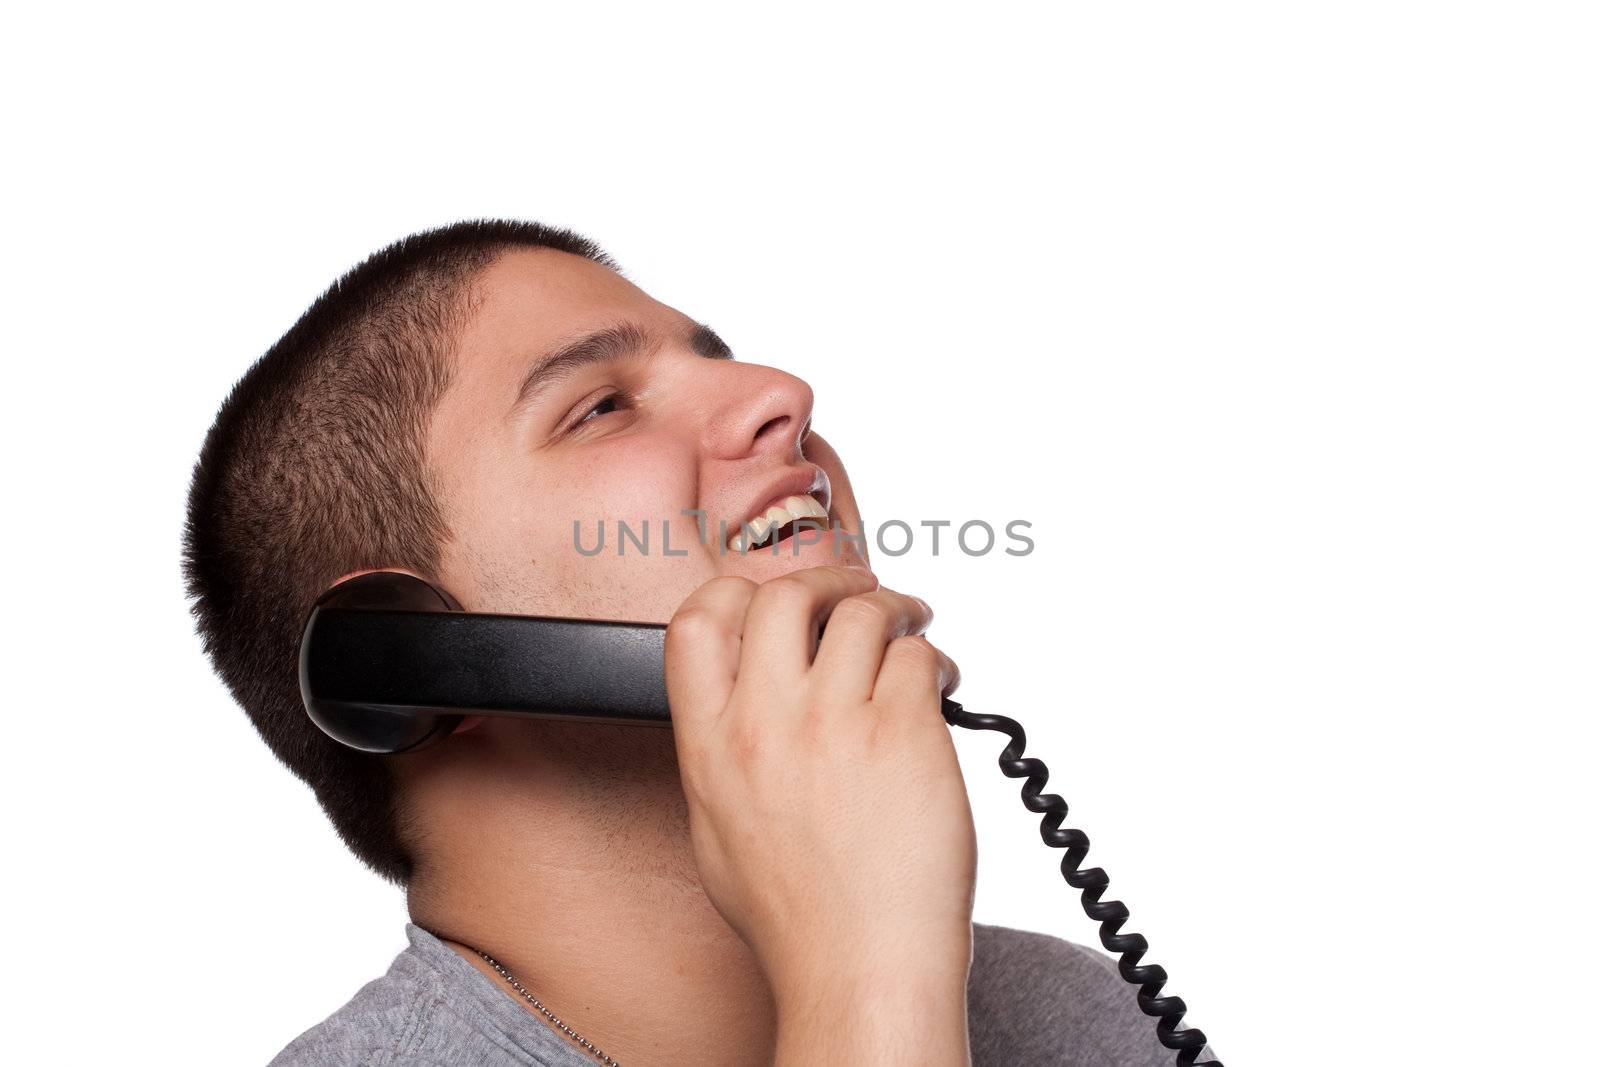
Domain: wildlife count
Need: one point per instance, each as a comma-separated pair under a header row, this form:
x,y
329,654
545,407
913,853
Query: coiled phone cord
x,y
1110,914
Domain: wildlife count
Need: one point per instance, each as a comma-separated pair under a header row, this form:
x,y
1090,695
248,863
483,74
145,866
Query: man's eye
x,y
604,406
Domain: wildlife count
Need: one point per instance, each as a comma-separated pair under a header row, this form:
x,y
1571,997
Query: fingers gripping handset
x,y
827,812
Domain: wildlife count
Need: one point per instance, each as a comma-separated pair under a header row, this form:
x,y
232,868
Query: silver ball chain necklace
x,y
546,1012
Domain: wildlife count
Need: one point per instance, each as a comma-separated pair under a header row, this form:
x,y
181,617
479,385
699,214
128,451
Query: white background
x,y
1278,321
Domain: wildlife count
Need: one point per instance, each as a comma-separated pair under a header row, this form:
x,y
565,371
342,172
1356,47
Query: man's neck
x,y
585,890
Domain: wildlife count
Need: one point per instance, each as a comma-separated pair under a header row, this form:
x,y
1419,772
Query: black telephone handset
x,y
389,663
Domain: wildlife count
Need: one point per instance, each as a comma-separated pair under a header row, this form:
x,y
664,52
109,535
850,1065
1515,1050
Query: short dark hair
x,y
315,468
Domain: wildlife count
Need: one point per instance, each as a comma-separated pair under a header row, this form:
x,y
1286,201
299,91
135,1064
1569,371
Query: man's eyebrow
x,y
622,341
704,340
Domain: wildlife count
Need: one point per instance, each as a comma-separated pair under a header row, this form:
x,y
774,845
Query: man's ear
x,y
374,570
438,590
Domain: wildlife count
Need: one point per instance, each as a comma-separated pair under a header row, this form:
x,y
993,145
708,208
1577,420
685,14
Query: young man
x,y
785,876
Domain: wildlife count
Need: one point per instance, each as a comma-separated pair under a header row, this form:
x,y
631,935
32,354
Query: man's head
x,y
481,405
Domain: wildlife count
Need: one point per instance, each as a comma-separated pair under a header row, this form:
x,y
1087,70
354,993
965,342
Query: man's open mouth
x,y
779,522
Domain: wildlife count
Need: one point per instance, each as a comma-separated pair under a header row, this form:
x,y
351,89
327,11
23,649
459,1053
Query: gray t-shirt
x,y
1031,999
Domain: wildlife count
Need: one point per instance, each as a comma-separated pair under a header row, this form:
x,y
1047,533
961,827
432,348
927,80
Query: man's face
x,y
642,417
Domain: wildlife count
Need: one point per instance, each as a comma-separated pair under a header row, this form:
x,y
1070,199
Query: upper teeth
x,y
775,518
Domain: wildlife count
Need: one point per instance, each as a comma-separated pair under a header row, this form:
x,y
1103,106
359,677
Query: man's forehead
x,y
544,282
531,300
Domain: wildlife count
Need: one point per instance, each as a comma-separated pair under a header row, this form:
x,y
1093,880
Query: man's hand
x,y
829,820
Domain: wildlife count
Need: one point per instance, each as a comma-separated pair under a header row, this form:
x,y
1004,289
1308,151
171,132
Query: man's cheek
x,y
634,482
629,505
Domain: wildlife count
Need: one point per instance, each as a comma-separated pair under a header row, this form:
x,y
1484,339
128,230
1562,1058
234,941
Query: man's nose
x,y
764,411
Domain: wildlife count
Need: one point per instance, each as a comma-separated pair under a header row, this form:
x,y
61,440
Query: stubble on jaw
x,y
623,782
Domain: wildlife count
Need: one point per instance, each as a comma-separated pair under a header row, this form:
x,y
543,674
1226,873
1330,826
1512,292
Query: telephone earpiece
x,y
389,663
